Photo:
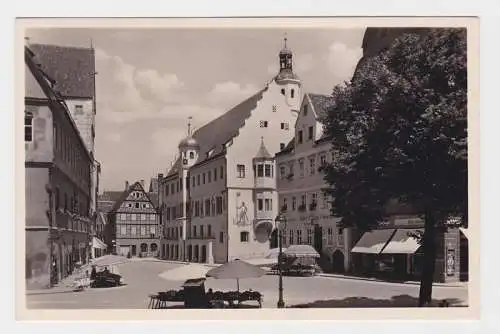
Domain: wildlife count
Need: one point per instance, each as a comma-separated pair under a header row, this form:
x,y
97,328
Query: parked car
x,y
106,279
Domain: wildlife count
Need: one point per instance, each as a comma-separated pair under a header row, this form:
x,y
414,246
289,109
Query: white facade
x,y
300,183
216,196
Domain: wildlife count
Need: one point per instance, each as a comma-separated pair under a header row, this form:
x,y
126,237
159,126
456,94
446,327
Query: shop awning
x,y
97,243
402,242
373,242
465,232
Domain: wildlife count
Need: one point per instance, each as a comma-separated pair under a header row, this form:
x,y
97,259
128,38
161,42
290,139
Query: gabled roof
x,y
134,187
72,68
214,135
321,103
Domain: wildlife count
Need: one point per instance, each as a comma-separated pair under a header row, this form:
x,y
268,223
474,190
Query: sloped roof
x,y
213,135
263,153
134,187
153,197
72,68
153,185
321,103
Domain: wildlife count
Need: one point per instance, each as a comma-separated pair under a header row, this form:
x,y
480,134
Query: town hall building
x,y
219,200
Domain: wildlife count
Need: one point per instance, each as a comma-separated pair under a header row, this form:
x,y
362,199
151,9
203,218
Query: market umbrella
x,y
185,272
301,251
236,269
108,260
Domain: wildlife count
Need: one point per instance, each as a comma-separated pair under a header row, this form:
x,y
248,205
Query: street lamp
x,y
280,226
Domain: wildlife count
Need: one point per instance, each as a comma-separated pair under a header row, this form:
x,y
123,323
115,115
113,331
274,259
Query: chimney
x,y
142,183
126,185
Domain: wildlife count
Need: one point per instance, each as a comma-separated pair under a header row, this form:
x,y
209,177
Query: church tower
x,y
290,82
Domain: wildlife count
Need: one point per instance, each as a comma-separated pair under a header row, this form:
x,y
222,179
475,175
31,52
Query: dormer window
x,y
305,109
191,155
292,93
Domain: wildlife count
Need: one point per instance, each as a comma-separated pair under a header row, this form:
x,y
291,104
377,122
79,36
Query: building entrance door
x,y
203,254
134,250
318,238
274,239
338,262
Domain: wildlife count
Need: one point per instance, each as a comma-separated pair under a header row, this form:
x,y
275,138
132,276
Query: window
x,y
78,109
191,155
312,165
137,205
268,204
194,231
260,204
305,109
133,230
310,133
123,230
284,126
290,237
268,170
330,236
207,207
260,170
309,236
202,231
314,201
219,205
209,176
325,201
299,137
193,181
198,179
143,216
204,178
209,232
283,91
282,146
299,237
322,160
301,167
292,93
28,127
221,237
180,183
215,174
221,172
244,236
172,189
241,171
263,124
282,172
303,200
152,230
134,216
294,203
143,230
187,182
285,204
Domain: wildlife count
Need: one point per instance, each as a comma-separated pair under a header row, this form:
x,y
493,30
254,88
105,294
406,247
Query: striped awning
x,y
97,243
403,242
373,242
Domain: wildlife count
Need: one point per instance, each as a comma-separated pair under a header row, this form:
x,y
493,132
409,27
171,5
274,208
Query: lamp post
x,y
280,225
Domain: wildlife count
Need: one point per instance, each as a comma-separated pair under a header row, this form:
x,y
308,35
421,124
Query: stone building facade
x,y
300,183
58,182
73,72
215,206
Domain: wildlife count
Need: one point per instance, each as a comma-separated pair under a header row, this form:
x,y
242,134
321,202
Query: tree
x,y
399,134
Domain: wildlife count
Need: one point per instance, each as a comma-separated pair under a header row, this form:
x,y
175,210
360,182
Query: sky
x,y
150,81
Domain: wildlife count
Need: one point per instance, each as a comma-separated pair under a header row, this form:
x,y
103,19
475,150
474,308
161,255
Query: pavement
x,y
142,278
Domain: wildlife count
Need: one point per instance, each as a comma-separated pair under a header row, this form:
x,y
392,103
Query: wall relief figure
x,y
241,215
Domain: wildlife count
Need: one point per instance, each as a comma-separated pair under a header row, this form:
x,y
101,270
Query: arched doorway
x,y
190,253
195,255
274,239
154,249
203,254
144,249
338,262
